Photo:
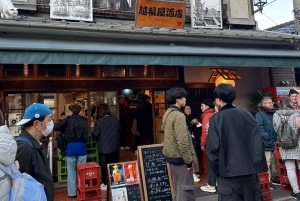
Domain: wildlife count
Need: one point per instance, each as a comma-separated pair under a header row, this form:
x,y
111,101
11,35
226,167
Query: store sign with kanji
x,y
160,14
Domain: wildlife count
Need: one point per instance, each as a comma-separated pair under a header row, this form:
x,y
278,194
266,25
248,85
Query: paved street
x,y
277,195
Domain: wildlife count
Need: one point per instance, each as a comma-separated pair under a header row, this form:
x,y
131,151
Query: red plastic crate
x,y
277,153
88,176
264,181
267,195
91,195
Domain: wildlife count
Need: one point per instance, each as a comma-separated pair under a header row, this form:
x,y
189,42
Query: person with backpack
x,y
37,123
75,129
8,150
288,151
264,119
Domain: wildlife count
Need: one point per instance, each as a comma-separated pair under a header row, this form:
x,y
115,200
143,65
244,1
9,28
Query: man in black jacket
x,y
235,149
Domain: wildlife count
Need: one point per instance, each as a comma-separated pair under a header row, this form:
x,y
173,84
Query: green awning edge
x,y
17,57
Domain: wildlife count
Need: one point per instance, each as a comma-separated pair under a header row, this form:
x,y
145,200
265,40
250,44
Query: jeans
x,y
71,168
146,133
211,175
291,173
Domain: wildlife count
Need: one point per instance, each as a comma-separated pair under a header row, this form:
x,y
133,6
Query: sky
x,y
280,11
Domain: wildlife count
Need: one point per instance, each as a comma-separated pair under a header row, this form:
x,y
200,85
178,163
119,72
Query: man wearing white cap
x,y
36,123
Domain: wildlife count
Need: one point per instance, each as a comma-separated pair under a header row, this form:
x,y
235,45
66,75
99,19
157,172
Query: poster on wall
x,y
81,10
206,14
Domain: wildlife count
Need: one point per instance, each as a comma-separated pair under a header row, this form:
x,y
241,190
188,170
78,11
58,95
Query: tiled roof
x,y
287,27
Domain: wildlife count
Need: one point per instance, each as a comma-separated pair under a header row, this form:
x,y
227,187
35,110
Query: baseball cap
x,y
36,110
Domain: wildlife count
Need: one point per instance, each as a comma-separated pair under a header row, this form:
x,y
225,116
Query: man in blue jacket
x,y
235,150
264,119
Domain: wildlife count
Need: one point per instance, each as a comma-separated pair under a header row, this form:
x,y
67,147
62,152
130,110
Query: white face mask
x,y
49,128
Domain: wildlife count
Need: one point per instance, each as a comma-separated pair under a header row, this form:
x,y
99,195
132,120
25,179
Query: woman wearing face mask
x,y
37,123
75,128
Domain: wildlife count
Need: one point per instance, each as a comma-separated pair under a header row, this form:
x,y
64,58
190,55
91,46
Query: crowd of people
x,y
237,145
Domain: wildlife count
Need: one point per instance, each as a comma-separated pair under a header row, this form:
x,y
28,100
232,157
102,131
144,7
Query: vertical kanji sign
x,y
160,14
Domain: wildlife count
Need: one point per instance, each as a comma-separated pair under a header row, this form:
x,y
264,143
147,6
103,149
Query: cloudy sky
x,y
279,11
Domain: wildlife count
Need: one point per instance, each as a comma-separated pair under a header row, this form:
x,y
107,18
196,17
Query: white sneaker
x,y
197,175
121,148
208,188
126,147
196,179
103,187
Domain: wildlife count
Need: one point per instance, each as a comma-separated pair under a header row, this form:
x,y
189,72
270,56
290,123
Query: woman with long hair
x,y
289,155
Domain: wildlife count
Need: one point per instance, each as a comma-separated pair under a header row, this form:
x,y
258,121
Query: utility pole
x,y
296,11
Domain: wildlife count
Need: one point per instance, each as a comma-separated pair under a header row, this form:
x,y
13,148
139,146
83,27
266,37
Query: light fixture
x,y
284,83
260,4
220,80
25,70
221,75
77,72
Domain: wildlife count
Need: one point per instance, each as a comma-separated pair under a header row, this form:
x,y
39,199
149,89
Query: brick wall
x,y
286,74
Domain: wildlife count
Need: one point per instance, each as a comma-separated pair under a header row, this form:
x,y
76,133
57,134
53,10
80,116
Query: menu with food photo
x,y
131,172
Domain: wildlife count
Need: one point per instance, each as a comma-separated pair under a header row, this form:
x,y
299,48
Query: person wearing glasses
x,y
264,119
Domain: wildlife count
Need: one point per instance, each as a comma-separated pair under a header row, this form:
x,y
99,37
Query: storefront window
x,y
83,71
18,70
165,71
45,70
113,71
140,71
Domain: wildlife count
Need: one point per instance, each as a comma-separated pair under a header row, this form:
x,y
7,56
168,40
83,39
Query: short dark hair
x,y
103,110
175,93
225,92
75,108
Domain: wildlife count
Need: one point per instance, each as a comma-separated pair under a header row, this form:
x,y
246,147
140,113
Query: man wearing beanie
x,y
293,94
208,111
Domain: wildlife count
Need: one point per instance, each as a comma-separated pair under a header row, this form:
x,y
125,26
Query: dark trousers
x,y
183,183
232,190
211,175
105,159
144,134
123,135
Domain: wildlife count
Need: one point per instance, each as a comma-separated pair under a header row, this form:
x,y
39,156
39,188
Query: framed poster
x,y
81,10
206,14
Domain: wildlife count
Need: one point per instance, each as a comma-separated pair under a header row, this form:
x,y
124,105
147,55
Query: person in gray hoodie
x,y
8,150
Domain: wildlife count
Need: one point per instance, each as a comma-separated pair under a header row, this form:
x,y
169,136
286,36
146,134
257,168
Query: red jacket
x,y
205,119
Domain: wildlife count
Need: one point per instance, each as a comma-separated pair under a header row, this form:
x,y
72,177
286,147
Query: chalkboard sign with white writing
x,y
154,173
133,192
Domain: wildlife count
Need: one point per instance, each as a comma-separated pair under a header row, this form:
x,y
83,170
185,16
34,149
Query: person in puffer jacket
x,y
106,131
8,150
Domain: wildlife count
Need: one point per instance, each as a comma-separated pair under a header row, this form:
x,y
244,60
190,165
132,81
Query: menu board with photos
x,y
124,181
154,173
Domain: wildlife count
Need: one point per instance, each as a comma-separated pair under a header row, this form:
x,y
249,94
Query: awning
x,y
20,57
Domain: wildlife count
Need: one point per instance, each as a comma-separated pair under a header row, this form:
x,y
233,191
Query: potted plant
x,y
255,97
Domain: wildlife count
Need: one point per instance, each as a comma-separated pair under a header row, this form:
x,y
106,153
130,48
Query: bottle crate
x,y
90,195
88,176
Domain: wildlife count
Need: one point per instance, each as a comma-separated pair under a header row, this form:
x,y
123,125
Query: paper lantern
x,y
220,80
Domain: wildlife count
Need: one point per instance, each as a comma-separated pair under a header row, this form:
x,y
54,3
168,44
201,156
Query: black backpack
x,y
62,144
287,137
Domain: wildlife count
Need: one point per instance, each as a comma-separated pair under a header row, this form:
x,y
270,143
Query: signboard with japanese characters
x,y
160,14
81,10
206,14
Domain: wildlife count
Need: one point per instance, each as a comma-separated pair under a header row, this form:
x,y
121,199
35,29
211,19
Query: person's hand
x,y
189,169
194,121
202,148
298,121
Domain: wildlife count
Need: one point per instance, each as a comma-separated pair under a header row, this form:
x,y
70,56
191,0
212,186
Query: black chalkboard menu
x,y
133,192
154,173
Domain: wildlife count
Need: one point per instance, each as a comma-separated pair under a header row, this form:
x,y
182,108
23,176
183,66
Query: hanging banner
x,y
206,14
160,14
